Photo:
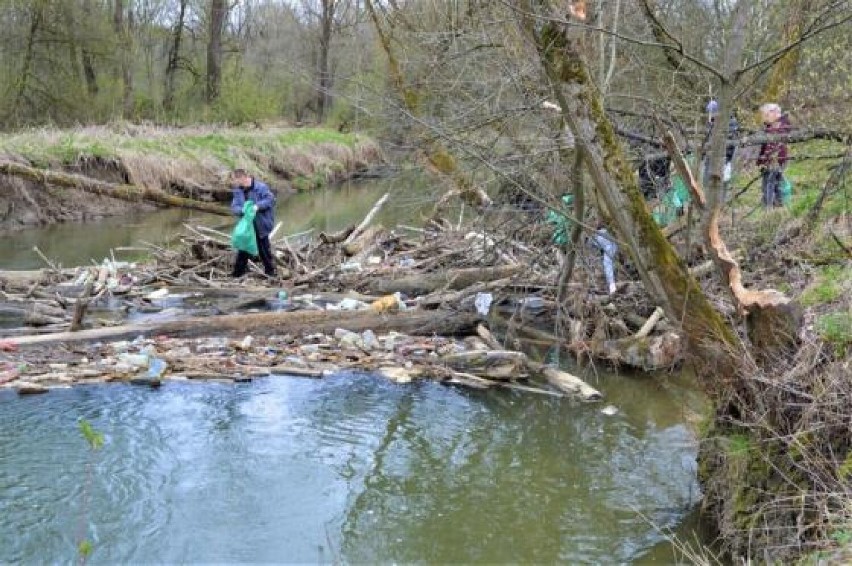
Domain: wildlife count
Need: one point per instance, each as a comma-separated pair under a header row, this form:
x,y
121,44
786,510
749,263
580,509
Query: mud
x,y
24,204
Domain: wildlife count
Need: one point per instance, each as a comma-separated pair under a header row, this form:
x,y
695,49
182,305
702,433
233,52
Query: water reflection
x,y
328,209
345,469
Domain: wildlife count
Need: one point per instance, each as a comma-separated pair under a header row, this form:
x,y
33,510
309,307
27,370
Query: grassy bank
x,y
194,157
776,458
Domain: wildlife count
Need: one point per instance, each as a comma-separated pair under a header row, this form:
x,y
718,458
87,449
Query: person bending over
x,y
247,188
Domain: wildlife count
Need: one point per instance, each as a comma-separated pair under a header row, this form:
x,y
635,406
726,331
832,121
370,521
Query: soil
x,y
24,204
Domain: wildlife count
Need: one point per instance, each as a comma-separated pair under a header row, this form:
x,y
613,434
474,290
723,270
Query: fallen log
x,y
413,322
124,192
648,353
562,380
453,279
492,364
568,383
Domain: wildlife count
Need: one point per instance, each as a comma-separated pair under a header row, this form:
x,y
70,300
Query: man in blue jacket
x,y
247,188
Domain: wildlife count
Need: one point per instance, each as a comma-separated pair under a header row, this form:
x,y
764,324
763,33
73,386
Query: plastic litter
x,y
406,262
483,303
156,368
609,410
133,360
368,337
351,305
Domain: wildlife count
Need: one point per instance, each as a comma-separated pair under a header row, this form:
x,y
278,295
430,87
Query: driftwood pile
x,y
399,357
438,280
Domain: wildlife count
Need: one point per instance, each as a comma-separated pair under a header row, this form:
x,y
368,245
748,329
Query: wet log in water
x,y
414,322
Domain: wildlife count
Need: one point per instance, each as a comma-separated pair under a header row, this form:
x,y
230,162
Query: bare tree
x,y
174,58
218,16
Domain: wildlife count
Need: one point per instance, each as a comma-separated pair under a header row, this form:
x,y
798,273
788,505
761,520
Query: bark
x,y
124,192
711,341
173,59
413,322
218,14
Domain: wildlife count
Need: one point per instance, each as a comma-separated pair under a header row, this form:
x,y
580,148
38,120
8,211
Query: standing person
x,y
773,155
247,188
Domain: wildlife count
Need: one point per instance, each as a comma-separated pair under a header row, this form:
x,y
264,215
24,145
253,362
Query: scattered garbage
x,y
351,305
609,410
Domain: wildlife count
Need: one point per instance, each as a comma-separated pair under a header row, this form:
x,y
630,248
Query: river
x,y
347,469
328,209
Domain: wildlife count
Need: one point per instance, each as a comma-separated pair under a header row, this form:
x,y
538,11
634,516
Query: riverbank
x,y
190,163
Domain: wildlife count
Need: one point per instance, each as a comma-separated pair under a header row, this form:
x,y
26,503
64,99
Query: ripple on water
x,y
348,468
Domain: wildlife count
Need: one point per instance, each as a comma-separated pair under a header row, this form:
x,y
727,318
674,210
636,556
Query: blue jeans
x,y
771,184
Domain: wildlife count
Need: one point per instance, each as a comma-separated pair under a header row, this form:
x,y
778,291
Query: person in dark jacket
x,y
247,188
773,155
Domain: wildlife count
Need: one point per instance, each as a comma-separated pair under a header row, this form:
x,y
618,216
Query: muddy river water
x,y
347,469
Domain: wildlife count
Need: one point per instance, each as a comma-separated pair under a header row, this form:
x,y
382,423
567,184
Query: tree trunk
x,y
711,341
88,65
174,57
785,69
23,81
414,322
122,28
218,13
323,73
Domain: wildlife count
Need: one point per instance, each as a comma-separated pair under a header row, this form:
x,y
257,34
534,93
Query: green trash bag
x,y
243,237
560,222
672,202
785,189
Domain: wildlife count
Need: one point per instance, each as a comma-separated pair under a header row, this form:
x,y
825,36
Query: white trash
x,y
483,303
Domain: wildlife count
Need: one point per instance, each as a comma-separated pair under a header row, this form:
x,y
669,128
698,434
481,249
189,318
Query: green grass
x,y
45,147
836,328
830,285
809,176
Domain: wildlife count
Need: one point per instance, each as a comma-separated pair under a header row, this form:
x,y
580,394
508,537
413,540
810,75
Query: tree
x,y
218,16
174,58
122,24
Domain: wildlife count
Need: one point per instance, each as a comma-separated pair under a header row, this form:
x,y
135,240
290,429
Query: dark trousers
x,y
771,188
264,250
